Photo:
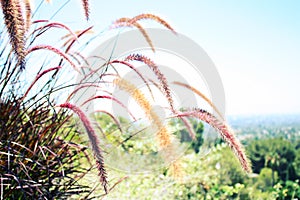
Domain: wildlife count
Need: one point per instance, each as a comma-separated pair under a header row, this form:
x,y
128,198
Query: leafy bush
x,y
276,154
287,190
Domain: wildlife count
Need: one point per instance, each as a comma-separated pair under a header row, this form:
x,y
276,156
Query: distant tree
x,y
296,164
265,179
277,154
230,173
198,127
185,136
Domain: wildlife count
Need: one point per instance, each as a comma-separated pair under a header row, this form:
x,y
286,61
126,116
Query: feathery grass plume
x,y
161,77
76,33
40,21
85,4
200,94
136,94
224,130
136,71
38,77
94,141
176,170
57,25
164,138
27,13
15,24
125,22
152,17
57,51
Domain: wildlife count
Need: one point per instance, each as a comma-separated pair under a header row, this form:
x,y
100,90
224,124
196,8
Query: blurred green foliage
x,y
217,175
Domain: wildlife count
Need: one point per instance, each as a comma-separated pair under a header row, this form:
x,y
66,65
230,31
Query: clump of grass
x,y
34,161
40,150
39,158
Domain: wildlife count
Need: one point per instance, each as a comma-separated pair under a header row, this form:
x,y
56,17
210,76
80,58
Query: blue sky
x,y
254,44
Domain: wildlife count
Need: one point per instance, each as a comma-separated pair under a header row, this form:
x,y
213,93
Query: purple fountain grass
x,y
200,94
157,85
94,141
57,51
126,22
152,17
76,33
83,58
136,71
161,77
15,24
56,25
110,98
224,130
40,21
85,4
77,60
72,41
38,77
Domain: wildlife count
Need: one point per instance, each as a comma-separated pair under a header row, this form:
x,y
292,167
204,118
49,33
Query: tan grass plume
x,y
163,135
152,17
16,27
164,138
127,22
